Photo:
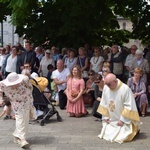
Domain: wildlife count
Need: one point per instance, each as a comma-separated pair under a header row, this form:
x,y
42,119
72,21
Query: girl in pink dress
x,y
75,87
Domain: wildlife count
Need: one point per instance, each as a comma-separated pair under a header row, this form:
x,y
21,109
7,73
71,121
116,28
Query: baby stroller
x,y
41,102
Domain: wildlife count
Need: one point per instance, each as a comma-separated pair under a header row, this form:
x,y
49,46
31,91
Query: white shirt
x,y
70,62
129,60
2,57
11,64
96,63
44,63
61,76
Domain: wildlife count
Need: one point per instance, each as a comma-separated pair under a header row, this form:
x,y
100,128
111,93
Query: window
x,y
124,25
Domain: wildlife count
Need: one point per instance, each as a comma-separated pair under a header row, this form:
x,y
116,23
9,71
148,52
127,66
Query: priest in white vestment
x,y
119,111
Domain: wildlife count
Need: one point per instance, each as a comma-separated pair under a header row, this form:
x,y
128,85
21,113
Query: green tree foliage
x,y
138,11
75,22
4,11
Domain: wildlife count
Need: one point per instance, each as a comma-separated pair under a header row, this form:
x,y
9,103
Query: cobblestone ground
x,y
71,134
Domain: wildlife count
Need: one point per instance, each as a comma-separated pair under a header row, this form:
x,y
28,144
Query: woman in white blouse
x,y
10,63
70,61
96,61
46,60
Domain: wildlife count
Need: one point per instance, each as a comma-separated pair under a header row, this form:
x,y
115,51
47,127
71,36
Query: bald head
x,y
60,64
110,80
110,77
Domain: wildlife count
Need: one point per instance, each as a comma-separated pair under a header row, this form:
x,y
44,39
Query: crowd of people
x,y
113,81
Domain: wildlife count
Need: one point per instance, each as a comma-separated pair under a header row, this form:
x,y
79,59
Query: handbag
x,y
74,93
88,99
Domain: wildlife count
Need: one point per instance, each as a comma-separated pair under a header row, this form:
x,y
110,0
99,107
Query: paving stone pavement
x,y
71,134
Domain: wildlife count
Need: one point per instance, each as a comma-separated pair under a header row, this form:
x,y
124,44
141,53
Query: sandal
x,y
143,115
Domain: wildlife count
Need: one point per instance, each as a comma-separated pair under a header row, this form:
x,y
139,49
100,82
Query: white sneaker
x,y
24,143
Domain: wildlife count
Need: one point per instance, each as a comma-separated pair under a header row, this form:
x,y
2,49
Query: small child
x,y
105,69
7,110
106,65
50,69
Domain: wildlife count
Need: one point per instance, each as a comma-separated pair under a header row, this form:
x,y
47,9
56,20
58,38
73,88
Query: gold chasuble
x,y
118,104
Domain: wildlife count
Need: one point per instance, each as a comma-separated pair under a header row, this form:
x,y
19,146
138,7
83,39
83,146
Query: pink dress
x,y
77,107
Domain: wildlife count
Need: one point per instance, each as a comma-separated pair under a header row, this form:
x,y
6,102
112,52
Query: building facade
x,y
126,24
9,37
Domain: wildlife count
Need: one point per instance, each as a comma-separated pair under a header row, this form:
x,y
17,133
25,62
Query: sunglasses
x,y
48,53
104,71
97,82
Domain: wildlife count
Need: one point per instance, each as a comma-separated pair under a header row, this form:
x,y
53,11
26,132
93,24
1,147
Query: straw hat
x,y
13,79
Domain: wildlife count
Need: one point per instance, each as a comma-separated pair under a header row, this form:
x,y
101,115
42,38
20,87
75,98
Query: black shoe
x,y
7,117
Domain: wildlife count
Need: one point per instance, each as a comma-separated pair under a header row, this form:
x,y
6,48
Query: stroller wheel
x,y
59,119
41,122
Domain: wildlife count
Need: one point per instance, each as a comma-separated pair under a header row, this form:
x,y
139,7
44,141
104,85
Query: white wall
x,y
129,28
8,34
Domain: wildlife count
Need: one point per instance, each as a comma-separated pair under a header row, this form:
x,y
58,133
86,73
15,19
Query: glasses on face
x,y
95,51
109,84
104,71
132,49
48,53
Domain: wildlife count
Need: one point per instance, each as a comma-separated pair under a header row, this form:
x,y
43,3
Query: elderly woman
x,y
46,60
142,63
19,90
137,85
96,61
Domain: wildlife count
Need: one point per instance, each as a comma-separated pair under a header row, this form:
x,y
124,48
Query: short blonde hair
x,y
106,64
138,70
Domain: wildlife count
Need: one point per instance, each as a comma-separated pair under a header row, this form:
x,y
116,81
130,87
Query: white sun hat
x,y
34,75
138,51
13,79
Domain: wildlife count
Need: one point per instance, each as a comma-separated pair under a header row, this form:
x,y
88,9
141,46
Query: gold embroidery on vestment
x,y
111,106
